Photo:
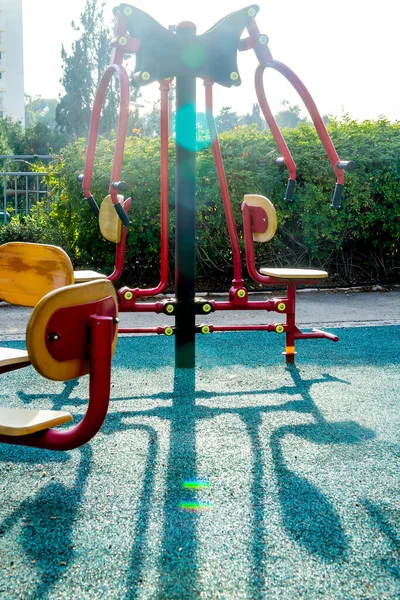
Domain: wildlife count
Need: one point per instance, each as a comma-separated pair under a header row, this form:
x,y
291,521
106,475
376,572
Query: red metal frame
x,y
121,130
127,296
102,333
120,248
223,185
266,60
238,295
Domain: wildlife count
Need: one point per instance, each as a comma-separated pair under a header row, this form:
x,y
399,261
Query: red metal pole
x,y
157,330
315,334
314,113
270,327
120,248
291,324
272,124
164,190
223,185
94,129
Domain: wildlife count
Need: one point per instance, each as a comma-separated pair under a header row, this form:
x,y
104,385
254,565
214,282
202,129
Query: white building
x,y
12,100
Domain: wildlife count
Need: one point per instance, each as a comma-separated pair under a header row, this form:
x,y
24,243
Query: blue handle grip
x,y
122,214
337,194
93,205
289,190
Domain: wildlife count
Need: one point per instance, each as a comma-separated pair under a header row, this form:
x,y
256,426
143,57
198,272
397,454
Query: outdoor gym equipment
x,y
162,55
29,271
72,332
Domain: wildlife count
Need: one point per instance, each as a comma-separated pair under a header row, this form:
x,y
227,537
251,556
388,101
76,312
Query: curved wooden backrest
x,y
30,271
264,203
68,306
109,222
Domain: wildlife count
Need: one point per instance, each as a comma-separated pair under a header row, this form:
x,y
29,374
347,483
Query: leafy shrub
x,y
357,243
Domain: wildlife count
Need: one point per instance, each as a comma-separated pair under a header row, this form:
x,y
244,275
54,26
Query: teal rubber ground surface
x,y
296,469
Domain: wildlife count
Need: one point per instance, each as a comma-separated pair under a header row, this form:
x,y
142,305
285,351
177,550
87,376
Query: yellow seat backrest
x,y
263,202
109,222
30,271
37,334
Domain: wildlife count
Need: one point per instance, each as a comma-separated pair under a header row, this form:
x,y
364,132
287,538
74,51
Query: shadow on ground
x,y
308,517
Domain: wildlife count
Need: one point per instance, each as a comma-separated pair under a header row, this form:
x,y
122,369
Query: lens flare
x,y
196,484
195,506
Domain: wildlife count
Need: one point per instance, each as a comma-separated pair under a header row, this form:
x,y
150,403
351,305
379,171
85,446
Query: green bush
x,y
357,243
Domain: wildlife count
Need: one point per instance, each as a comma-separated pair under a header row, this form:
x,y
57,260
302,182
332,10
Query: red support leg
x,y
291,324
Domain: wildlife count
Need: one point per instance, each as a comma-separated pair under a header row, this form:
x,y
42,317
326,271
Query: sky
x,y
346,53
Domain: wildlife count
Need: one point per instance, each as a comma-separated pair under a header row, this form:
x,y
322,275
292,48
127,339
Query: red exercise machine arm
x,y
260,45
164,191
115,184
286,157
223,186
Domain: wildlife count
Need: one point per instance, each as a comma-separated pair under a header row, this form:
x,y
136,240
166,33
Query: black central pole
x,y
185,213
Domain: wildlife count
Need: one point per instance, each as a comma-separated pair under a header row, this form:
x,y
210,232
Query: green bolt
x,y
205,329
234,76
169,308
145,76
127,11
122,41
263,39
206,308
252,12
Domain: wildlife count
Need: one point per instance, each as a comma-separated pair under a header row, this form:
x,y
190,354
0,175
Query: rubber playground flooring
x,y
242,478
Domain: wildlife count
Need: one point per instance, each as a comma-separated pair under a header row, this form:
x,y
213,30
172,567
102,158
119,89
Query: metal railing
x,y
22,185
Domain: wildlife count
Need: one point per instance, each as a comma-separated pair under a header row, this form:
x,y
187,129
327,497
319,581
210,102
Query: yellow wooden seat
x,y
36,336
23,421
62,317
111,228
293,273
30,271
255,200
109,222
10,356
272,224
85,276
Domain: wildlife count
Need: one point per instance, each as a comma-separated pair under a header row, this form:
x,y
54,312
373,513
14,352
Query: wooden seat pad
x,y
22,421
109,222
10,356
30,271
272,219
74,295
294,273
85,276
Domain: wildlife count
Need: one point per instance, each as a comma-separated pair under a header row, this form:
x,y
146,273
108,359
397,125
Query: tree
x,y
82,71
40,110
227,120
253,118
289,115
13,132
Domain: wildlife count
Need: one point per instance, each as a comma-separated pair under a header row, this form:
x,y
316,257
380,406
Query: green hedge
x,y
357,243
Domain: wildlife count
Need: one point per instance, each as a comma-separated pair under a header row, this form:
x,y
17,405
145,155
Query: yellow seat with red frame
x,y
263,230
111,228
72,332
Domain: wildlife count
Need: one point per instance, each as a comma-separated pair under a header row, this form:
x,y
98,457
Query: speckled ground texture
x,y
302,463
